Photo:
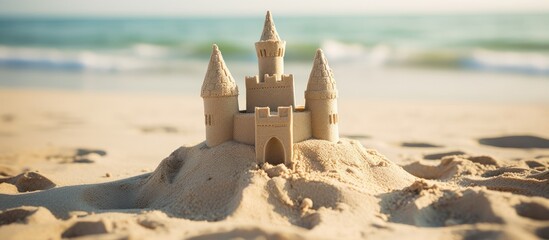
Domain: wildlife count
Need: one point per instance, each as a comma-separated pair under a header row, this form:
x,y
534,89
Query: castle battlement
x,y
269,80
279,88
265,118
283,113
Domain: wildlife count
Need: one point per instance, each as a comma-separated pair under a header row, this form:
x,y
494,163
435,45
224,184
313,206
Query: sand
x,y
89,165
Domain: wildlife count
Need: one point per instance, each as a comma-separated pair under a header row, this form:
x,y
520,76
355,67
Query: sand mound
x,y
29,181
529,177
434,206
430,204
221,192
450,167
200,183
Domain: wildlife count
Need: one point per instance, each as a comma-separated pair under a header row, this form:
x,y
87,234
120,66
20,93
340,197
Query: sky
x,y
257,7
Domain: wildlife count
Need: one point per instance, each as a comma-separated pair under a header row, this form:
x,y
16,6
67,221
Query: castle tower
x,y
271,88
321,100
270,50
220,95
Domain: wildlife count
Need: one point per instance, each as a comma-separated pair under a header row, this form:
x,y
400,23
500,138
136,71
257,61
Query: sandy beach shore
x,y
77,163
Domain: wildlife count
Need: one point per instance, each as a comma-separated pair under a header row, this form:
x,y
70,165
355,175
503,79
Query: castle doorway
x,y
274,152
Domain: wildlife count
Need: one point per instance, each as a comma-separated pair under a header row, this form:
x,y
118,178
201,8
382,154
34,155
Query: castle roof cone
x,y
322,77
269,29
218,81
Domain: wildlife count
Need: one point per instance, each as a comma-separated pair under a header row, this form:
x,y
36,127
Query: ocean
x,y
92,53
507,43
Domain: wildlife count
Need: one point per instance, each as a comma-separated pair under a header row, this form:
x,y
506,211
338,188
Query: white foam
x,y
149,50
375,56
71,59
513,61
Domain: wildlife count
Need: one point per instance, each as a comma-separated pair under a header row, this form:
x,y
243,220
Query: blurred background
x,y
493,51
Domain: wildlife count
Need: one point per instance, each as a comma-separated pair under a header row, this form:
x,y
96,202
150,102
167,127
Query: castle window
x,y
333,118
264,52
279,53
208,119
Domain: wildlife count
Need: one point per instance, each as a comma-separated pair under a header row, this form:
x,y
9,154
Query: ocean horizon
x,y
490,57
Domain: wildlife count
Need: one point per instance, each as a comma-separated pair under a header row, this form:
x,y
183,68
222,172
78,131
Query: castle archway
x,y
274,152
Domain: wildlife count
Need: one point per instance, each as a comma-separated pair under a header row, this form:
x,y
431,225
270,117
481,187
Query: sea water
x,y
179,48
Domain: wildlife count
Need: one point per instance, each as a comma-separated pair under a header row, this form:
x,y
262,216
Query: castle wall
x,y
302,125
244,127
274,92
218,117
277,129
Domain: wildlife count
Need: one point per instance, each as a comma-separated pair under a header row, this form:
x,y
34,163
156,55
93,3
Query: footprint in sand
x,y
356,137
524,141
7,118
85,155
436,156
533,210
29,181
419,145
85,228
7,171
543,232
159,129
25,214
84,151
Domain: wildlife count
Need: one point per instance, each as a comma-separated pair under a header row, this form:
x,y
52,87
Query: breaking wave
x,y
475,59
150,57
81,60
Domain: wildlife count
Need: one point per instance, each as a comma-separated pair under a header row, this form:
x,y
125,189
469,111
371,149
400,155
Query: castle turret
x,y
321,100
271,88
220,95
270,50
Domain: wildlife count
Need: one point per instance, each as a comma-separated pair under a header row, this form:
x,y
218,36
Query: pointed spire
x,y
320,59
322,77
218,81
269,29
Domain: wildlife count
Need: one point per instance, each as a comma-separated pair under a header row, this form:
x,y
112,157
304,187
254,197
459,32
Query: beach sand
x,y
102,165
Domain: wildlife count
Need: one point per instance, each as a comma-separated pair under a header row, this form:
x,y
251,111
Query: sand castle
x,y
271,121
